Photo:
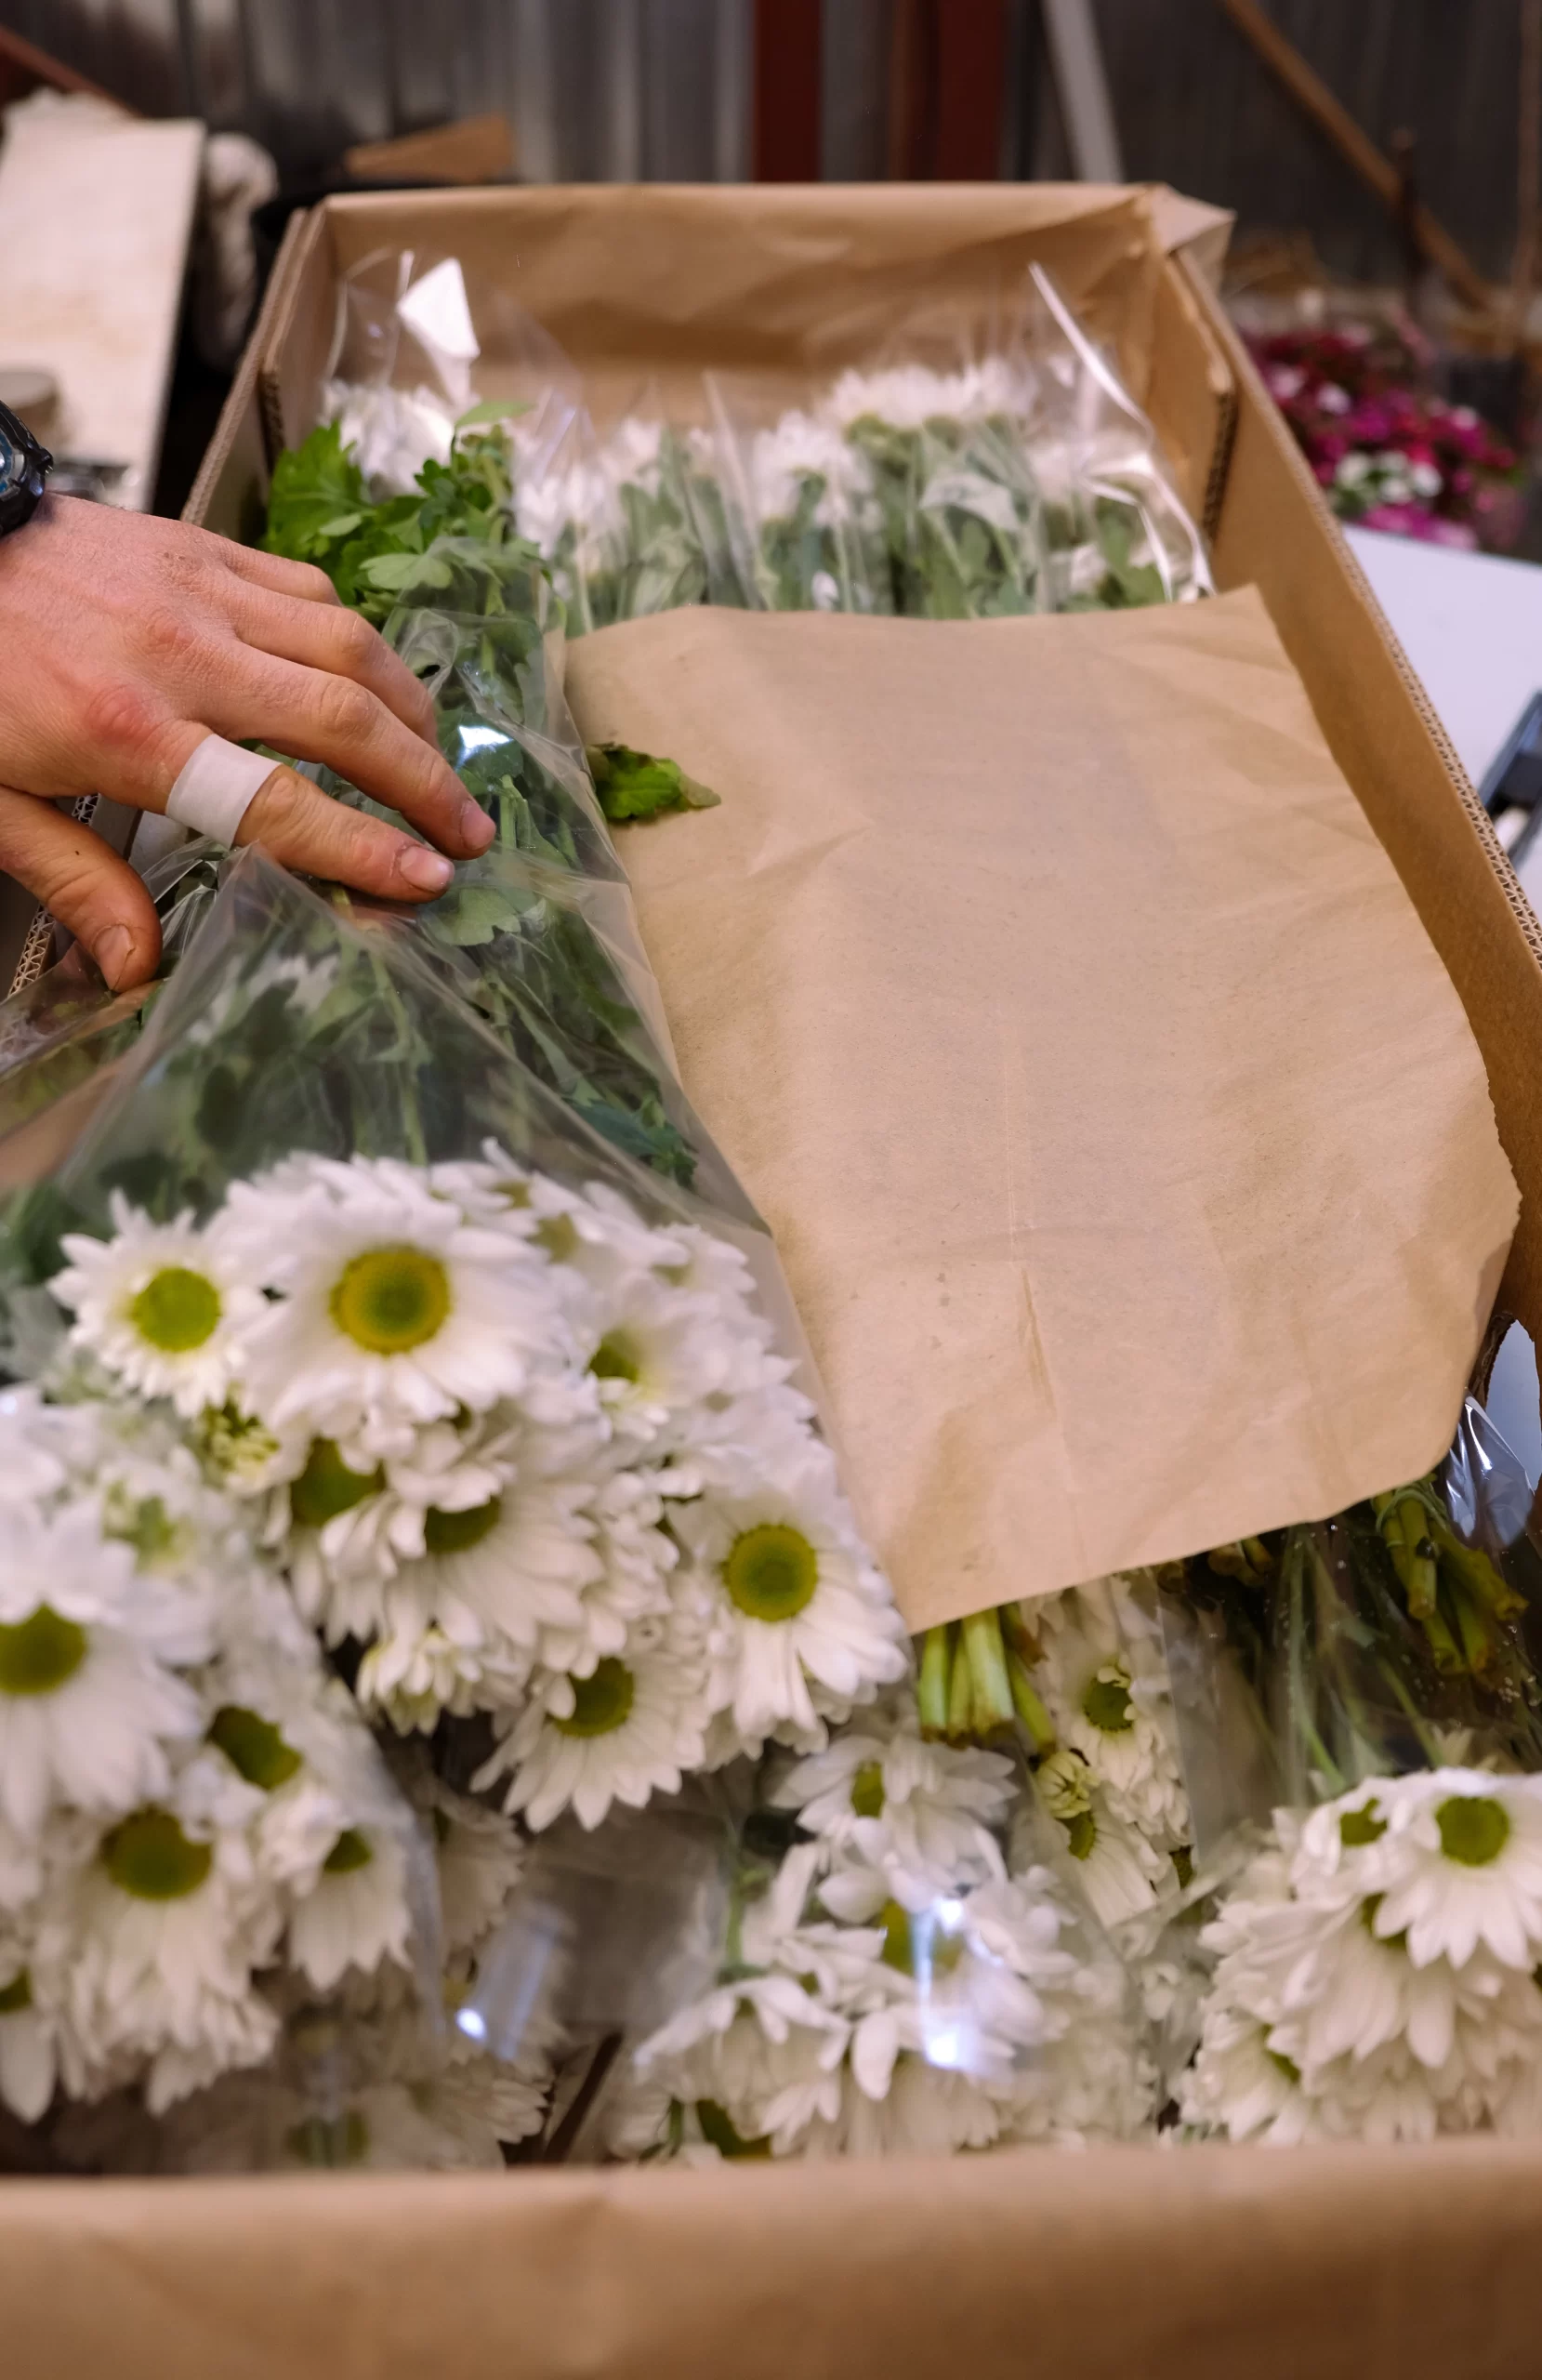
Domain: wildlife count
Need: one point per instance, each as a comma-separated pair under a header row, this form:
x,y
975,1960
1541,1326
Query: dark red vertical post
x,y
972,74
787,75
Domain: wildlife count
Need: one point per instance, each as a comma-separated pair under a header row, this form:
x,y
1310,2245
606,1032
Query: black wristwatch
x,y
24,466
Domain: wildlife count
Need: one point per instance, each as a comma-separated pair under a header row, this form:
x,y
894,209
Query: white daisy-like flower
x,y
148,1955
165,1307
1460,1864
1104,1681
633,1728
804,1626
1120,1872
659,1353
29,2061
762,2053
921,1814
909,395
356,1913
34,1452
90,1700
394,1311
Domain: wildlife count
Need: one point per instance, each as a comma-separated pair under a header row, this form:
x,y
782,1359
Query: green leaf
x,y
640,784
490,409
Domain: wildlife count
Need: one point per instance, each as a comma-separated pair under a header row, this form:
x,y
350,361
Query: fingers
x,y
273,571
92,892
304,829
323,636
318,716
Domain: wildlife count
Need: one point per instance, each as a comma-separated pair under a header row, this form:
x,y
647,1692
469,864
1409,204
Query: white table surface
x,y
96,216
1471,626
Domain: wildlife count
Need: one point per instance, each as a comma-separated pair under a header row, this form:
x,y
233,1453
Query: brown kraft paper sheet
x,y
1127,1146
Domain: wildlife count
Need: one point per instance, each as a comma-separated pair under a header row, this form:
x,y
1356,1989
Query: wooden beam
x,y
1328,113
789,74
24,67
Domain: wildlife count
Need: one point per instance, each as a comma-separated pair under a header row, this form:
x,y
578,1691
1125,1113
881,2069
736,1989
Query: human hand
x,y
125,640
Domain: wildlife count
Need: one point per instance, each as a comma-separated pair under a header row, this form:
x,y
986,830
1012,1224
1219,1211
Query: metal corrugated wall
x,y
614,90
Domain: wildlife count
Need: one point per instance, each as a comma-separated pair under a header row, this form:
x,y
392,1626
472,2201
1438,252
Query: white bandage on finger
x,y
217,786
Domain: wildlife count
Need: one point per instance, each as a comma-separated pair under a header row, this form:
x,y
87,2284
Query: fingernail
x,y
424,869
111,951
477,829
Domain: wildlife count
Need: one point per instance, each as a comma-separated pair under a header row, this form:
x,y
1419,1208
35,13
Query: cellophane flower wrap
x,y
964,470
393,1252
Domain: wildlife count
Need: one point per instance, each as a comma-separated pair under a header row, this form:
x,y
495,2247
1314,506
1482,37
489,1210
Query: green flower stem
x,y
960,1698
1027,1702
988,1676
933,1684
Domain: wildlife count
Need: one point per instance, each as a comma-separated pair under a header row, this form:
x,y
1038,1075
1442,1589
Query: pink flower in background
x,y
1386,451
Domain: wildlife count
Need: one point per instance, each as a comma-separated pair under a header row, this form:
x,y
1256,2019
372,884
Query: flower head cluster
x,y
535,1457
1113,1779
1390,455
1377,1969
186,1801
893,1988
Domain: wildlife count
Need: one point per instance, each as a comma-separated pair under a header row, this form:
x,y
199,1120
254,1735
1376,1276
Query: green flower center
x,y
177,1310
1361,1826
899,1947
326,1487
617,1357
347,1855
392,1300
1106,1705
150,1859
454,1532
1474,1829
254,1747
771,1572
557,1235
600,1703
718,2131
16,1995
39,1655
867,1794
330,2140
1081,1835
1285,2066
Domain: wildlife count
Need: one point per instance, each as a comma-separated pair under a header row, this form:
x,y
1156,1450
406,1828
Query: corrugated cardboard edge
x,y
1274,528
1113,2265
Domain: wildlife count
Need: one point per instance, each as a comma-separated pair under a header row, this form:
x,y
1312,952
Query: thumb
x,y
94,894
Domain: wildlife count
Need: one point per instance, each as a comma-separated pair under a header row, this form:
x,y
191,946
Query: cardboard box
x,y
1119,2262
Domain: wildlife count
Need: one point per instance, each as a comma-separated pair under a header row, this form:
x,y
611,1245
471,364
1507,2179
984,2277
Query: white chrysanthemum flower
x,y
633,1728
148,1956
921,1814
804,1626
394,1310
659,1353
35,1454
1119,1871
763,2052
909,395
29,2061
479,1859
356,1913
1460,1864
798,447
89,1701
1105,1683
165,1307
